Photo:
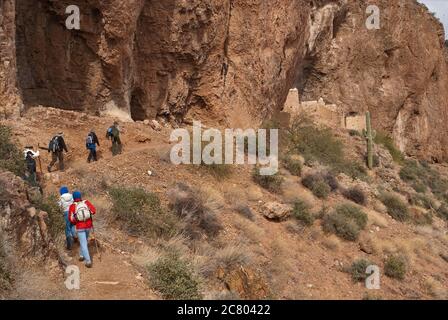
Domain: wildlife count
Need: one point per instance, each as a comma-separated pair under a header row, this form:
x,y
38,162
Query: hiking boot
x,y
81,259
89,265
69,243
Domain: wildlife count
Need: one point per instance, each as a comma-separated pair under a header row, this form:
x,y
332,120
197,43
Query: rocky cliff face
x,y
231,62
168,57
398,72
10,102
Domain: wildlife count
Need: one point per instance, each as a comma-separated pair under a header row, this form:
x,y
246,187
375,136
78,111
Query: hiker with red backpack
x,y
80,214
91,143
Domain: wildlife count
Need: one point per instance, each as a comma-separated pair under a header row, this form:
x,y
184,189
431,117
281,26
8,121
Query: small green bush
x,y
318,185
141,213
6,276
219,171
354,133
55,222
424,218
395,266
356,195
419,187
396,208
293,165
245,211
346,221
442,211
11,159
190,205
174,279
385,140
422,176
358,270
315,144
320,144
271,183
301,212
422,200
353,169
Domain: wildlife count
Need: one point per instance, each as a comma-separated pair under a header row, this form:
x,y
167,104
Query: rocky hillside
x,y
225,232
230,61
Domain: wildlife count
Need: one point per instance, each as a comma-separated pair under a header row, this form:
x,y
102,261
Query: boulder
x,y
276,211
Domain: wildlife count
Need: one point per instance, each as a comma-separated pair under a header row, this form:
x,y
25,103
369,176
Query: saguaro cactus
x,y
369,134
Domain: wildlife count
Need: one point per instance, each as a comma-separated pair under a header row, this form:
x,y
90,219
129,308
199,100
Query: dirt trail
x,y
113,276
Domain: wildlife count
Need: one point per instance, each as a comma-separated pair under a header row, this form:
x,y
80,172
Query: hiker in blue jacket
x,y
91,143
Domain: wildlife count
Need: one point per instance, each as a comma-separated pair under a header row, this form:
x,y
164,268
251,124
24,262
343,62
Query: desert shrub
x,y
376,160
174,278
412,171
331,180
11,159
358,270
228,258
354,133
356,195
442,211
245,211
346,221
190,205
55,219
396,208
315,144
422,200
385,140
422,218
317,184
419,187
395,266
320,144
6,276
293,165
353,169
141,214
422,175
301,212
271,183
219,171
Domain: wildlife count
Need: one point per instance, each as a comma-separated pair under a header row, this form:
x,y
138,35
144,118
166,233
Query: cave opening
x,y
138,112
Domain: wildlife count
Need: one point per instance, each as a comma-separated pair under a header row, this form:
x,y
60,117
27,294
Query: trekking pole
x,y
40,165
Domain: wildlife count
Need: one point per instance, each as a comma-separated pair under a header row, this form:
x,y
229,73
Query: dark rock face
x,y
161,57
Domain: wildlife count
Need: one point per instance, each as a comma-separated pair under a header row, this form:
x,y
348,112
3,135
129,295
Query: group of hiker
x,y
78,216
78,213
57,147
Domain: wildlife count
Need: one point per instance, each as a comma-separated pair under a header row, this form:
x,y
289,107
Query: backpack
x,y
109,133
115,132
89,140
30,162
82,212
54,145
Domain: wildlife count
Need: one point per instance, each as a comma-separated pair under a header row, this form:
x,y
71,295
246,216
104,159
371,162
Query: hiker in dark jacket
x,y
91,143
113,133
30,161
57,147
